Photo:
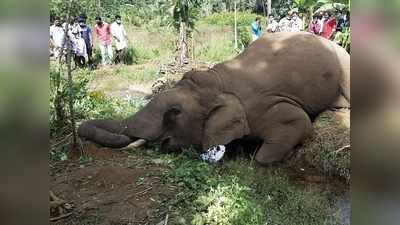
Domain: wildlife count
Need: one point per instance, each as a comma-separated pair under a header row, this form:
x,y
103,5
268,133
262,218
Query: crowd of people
x,y
78,37
325,24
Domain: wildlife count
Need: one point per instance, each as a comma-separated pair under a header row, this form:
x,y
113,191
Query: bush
x,y
130,56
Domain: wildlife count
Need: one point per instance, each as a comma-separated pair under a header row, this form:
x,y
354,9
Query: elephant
x,y
272,91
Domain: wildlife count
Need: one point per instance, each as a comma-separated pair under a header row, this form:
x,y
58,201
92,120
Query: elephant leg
x,y
108,133
285,127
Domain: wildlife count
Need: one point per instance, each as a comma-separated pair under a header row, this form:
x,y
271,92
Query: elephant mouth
x,y
167,145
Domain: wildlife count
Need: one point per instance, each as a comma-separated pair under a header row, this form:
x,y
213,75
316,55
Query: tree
x,y
185,12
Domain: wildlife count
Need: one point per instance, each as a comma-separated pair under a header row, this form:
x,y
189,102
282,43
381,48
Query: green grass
x,y
321,150
217,51
138,74
238,193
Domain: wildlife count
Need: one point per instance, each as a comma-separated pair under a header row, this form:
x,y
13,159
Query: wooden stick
x,y
342,148
166,220
60,217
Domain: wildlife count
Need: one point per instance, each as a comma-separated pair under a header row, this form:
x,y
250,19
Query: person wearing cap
x,y
119,34
86,34
103,34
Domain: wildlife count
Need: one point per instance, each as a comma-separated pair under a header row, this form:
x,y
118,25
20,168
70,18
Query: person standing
x,y
57,36
256,29
285,22
343,21
321,22
314,26
103,33
86,34
329,25
119,34
272,24
79,47
296,22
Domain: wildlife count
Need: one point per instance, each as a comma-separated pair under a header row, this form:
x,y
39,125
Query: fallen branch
x,y
144,191
342,148
59,207
60,217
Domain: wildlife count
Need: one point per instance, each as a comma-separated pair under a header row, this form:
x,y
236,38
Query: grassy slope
x,y
238,192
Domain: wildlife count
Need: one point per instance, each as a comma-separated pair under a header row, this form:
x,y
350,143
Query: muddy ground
x,y
112,188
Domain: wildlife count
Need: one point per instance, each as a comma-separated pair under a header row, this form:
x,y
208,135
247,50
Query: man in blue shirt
x,y
86,34
256,29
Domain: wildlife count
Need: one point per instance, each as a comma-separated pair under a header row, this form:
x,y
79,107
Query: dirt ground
x,y
113,188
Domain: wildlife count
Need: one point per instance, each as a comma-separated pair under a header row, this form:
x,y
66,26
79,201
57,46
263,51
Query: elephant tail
x,y
105,132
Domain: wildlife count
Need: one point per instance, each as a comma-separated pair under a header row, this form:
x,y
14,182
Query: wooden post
x,y
236,39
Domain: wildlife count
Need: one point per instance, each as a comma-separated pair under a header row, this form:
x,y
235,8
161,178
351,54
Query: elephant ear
x,y
226,122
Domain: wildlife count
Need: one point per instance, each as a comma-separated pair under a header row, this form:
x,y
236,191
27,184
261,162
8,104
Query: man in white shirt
x,y
119,34
321,22
297,22
57,36
285,22
79,47
272,24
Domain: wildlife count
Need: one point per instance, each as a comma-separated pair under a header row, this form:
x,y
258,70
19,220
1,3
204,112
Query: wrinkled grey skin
x,y
271,91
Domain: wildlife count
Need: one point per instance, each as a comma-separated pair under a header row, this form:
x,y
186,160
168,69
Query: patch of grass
x,y
214,44
238,193
217,51
324,150
244,20
228,19
142,74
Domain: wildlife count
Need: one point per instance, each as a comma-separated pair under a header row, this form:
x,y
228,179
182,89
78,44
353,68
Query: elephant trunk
x,y
145,124
105,132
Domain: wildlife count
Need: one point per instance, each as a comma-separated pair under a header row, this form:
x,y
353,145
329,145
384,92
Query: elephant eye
x,y
170,115
175,111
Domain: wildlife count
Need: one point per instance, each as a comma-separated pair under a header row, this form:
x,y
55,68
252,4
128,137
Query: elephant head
x,y
196,112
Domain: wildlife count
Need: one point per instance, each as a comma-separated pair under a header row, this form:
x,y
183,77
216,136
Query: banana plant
x,y
185,13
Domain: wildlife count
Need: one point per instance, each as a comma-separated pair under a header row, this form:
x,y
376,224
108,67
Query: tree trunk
x,y
269,7
182,44
71,94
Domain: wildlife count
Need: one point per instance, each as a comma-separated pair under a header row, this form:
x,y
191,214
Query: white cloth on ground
x,y
213,154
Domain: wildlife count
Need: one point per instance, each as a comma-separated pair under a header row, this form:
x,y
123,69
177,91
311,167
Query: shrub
x,y
130,56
